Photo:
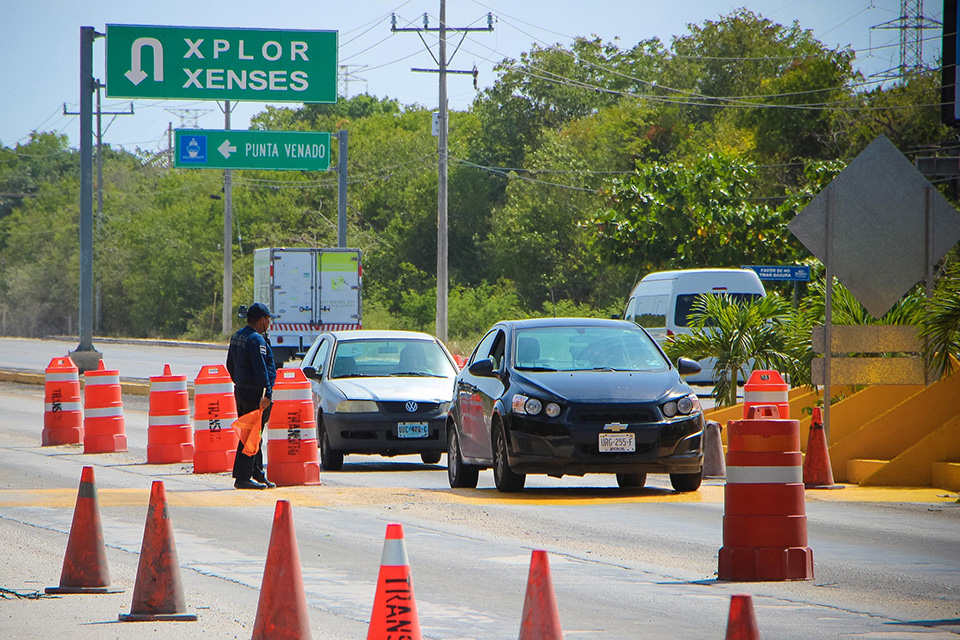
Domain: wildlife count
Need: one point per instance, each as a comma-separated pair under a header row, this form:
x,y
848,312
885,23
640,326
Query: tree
x,y
698,215
736,333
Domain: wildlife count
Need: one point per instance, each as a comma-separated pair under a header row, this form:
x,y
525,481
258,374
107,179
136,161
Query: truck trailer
x,y
312,290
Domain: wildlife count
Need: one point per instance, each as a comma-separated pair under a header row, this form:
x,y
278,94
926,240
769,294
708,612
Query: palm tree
x,y
940,325
735,333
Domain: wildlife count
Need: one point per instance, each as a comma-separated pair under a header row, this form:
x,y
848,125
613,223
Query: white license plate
x,y
618,442
412,430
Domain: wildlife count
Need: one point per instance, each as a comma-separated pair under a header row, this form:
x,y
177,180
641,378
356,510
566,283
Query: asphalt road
x,y
623,564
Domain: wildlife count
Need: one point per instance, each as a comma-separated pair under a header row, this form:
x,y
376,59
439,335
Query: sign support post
x,y
227,237
85,356
342,189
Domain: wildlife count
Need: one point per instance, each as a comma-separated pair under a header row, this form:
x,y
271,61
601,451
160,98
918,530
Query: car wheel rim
x,y
501,454
454,456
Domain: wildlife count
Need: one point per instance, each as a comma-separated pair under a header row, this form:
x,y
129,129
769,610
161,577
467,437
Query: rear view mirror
x,y
311,372
686,366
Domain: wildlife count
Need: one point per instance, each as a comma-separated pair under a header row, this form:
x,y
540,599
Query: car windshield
x,y
585,348
390,357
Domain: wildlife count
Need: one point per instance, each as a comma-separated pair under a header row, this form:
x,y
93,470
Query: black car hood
x,y
603,386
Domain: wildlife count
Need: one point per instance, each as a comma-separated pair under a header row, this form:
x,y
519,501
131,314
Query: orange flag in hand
x,y
247,427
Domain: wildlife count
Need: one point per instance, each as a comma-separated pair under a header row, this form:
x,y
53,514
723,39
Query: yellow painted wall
x,y
914,467
893,432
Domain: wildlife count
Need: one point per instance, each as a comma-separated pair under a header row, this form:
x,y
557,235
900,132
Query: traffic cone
x,y
394,607
817,472
85,563
104,429
62,407
742,624
541,618
169,432
158,594
713,464
282,610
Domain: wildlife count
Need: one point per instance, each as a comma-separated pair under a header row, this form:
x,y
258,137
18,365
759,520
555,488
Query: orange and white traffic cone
x,y
282,609
817,472
541,618
62,408
169,433
394,607
85,563
104,429
741,623
158,594
214,410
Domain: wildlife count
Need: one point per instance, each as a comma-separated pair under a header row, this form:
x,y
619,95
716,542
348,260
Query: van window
x,y
649,312
685,304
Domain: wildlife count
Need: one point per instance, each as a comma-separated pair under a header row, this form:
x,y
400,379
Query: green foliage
x,y
582,168
735,333
940,326
679,216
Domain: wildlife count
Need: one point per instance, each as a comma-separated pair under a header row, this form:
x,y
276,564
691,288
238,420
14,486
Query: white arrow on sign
x,y
136,74
226,149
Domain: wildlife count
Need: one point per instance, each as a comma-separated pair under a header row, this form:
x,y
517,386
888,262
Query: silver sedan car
x,y
380,392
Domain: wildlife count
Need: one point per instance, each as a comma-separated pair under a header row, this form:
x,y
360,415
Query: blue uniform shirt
x,y
250,361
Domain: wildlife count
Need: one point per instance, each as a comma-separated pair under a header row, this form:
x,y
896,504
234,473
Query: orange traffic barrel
x,y
169,434
764,516
766,387
62,407
292,432
214,410
103,424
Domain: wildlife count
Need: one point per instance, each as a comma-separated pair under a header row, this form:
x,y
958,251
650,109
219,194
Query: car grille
x,y
606,413
401,408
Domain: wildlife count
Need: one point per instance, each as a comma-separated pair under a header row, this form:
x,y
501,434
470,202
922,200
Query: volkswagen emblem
x,y
411,406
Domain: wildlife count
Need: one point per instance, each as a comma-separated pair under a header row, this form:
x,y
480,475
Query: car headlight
x,y
531,406
684,406
444,407
356,406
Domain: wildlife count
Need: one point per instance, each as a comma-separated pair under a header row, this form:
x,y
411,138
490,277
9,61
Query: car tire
x,y
460,474
330,459
432,457
504,477
684,482
631,480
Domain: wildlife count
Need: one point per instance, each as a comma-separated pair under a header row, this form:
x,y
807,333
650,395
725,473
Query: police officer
x,y
254,372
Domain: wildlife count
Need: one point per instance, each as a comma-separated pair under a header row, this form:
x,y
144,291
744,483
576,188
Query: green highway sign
x,y
269,150
204,63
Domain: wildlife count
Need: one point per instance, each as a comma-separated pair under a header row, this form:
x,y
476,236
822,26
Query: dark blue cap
x,y
259,310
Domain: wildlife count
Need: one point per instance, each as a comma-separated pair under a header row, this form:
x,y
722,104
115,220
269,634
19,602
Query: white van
x,y
661,302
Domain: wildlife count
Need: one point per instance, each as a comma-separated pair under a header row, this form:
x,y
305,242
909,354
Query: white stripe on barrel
x,y
764,475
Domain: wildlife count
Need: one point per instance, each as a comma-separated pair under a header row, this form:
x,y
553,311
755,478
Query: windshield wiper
x,y
536,369
416,374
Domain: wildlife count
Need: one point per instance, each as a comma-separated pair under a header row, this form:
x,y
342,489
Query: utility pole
x,y
341,137
443,70
227,237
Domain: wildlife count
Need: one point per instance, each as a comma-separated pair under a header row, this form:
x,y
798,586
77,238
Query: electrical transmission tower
x,y
911,24
347,74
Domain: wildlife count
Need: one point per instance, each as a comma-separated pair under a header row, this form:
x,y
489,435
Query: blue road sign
x,y
193,149
784,272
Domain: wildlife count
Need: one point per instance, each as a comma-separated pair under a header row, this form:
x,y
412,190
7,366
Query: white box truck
x,y
311,290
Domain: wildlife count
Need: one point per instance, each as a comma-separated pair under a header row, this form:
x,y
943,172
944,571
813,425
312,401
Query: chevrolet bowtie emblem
x,y
615,426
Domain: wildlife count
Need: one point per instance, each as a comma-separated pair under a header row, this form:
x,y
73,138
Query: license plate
x,y
618,442
412,430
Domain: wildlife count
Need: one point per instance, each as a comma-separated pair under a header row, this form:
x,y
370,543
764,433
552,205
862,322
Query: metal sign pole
x,y
828,313
227,237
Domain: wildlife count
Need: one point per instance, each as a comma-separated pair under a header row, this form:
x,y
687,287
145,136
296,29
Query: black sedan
x,y
570,396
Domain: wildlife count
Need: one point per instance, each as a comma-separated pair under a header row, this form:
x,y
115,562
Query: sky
x,y
39,47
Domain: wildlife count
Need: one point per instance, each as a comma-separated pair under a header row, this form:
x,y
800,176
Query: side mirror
x,y
686,366
311,373
483,369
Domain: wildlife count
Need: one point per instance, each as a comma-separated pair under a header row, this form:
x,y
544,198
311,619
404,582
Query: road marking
x,y
331,496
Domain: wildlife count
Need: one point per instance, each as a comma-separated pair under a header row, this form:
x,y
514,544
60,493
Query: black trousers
x,y
246,467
